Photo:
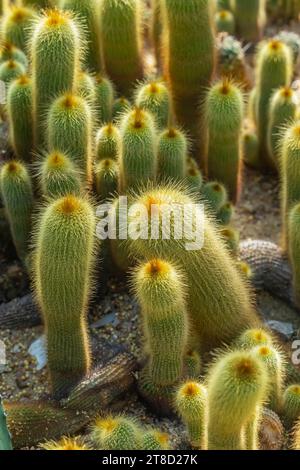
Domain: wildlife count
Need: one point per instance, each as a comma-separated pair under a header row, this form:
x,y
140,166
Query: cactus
x,y
122,53
291,404
117,433
10,70
69,130
194,178
157,29
87,15
224,116
86,86
138,157
221,317
108,143
19,107
155,440
159,289
251,148
120,106
5,439
296,436
232,239
58,176
292,40
10,52
237,386
154,97
294,250
231,60
215,195
283,107
250,19
62,271
189,63
104,99
254,338
225,214
191,404
17,24
17,196
225,21
290,173
65,443
273,360
55,50
106,178
274,69
192,365
172,150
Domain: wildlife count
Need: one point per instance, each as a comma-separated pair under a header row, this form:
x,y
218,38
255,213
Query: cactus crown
x,y
66,443
68,205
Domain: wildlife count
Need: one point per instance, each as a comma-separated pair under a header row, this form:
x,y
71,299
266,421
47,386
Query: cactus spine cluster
x,y
122,52
17,24
224,117
64,254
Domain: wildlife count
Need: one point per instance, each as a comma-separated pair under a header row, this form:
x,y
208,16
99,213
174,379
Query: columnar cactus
x,y
294,249
274,69
192,364
55,51
86,86
157,29
215,195
108,143
225,214
154,97
106,178
224,117
17,196
17,24
191,404
222,317
87,15
65,243
155,440
232,239
59,176
9,51
291,404
122,52
250,19
189,63
225,21
254,338
69,130
251,148
10,70
237,385
116,433
19,108
138,161
283,107
120,106
104,99
172,151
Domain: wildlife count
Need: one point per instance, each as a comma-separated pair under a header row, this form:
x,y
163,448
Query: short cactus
x,y
232,239
69,130
154,97
17,24
225,214
224,116
63,284
10,70
251,148
19,108
10,52
116,433
59,176
172,150
250,19
138,161
237,386
283,107
120,106
294,249
122,53
108,143
192,365
17,197
291,404
86,86
106,178
253,338
225,21
104,99
194,177
65,443
215,196
55,51
191,404
155,440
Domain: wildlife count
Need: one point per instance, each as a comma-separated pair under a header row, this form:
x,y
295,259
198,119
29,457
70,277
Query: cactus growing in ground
x,y
159,289
117,433
65,443
224,115
19,107
10,70
119,107
108,143
191,405
215,195
62,272
192,364
138,161
55,50
5,439
87,16
225,21
232,239
294,249
69,130
17,196
194,178
189,63
86,86
17,24
253,338
122,53
283,107
250,19
155,440
172,150
106,178
225,214
251,148
273,70
154,97
59,176
290,173
104,99
291,404
223,316
237,386
9,51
